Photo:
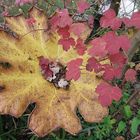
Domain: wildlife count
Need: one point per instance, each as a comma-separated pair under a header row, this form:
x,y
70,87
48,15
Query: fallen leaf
x,y
24,83
119,138
137,67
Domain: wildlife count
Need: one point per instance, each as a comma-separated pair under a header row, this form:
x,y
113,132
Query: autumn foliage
x,y
55,49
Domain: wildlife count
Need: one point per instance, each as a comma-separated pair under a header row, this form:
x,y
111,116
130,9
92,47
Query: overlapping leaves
x,y
24,84
63,42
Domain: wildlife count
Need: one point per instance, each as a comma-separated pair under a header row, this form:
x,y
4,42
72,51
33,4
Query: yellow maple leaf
x,y
24,84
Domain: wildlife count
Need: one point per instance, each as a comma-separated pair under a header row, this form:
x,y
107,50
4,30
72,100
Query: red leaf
x,y
73,70
99,48
93,64
82,6
110,72
64,32
30,21
130,75
110,13
118,59
126,21
108,93
61,19
54,21
80,46
109,19
90,21
66,43
44,64
134,21
113,46
114,42
125,43
43,61
64,18
77,28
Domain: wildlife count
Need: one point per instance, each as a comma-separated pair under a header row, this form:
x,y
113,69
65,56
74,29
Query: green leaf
x,y
121,127
138,101
42,5
59,3
51,10
1,9
14,11
25,9
90,138
134,125
1,19
138,113
108,120
127,111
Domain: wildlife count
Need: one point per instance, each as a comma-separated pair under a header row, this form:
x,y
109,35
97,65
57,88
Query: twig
x,y
102,59
15,125
132,97
64,3
33,31
115,4
4,134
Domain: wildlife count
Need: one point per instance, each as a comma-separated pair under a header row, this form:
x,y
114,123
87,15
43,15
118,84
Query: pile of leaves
x,y
46,60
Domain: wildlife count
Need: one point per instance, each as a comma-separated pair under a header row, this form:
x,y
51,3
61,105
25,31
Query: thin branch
x,y
115,4
35,30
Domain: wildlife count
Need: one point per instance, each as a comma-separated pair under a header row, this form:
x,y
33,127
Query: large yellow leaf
x,y
24,83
